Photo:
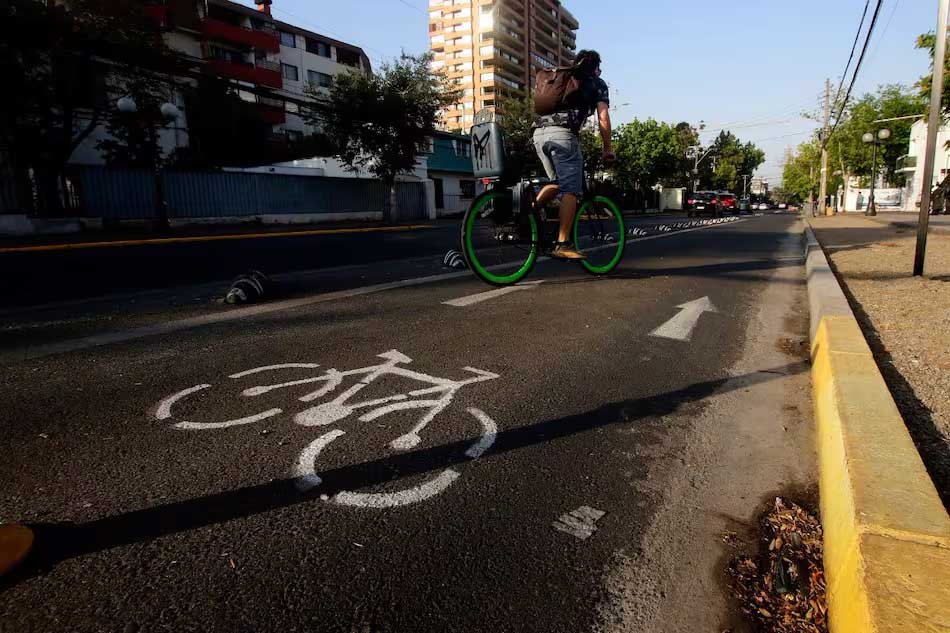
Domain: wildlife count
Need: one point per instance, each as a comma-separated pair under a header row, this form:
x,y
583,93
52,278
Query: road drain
x,y
781,589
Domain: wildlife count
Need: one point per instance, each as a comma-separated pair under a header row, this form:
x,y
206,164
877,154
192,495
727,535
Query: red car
x,y
728,201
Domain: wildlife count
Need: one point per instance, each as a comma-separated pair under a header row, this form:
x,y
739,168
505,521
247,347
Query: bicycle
x,y
503,233
432,399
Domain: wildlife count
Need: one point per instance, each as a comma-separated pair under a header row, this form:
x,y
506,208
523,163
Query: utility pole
x,y
811,192
745,185
936,91
823,188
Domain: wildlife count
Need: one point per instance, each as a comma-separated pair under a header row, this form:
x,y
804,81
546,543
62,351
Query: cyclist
x,y
557,141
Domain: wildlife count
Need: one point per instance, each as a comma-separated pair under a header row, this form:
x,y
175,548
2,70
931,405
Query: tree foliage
x,y
379,121
647,152
732,159
928,42
66,64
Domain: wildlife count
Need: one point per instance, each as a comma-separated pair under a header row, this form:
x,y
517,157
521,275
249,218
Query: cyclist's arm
x,y
603,120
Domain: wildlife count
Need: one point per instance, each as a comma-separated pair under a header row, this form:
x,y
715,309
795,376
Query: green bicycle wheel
x,y
600,234
500,249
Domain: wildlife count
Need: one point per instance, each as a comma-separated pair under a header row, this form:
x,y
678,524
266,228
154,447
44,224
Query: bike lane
x,y
147,523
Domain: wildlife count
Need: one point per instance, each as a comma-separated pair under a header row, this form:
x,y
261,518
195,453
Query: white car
x,y
763,207
782,206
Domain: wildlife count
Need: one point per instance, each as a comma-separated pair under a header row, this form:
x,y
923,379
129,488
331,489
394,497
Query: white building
x,y
912,165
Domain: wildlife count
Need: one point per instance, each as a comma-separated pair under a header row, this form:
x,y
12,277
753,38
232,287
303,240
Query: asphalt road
x,y
41,277
174,489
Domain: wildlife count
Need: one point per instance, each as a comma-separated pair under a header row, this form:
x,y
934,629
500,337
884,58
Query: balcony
x,y
158,13
907,164
263,74
546,36
265,40
271,113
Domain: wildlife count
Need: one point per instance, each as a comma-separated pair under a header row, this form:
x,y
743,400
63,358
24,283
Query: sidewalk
x,y
908,220
906,320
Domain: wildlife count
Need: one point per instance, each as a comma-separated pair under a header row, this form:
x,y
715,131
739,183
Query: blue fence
x,y
132,194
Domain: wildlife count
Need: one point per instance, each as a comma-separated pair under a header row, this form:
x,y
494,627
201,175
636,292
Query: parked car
x,y
703,202
728,201
744,205
782,206
763,207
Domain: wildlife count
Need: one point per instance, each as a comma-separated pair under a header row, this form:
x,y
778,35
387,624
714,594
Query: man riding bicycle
x,y
557,141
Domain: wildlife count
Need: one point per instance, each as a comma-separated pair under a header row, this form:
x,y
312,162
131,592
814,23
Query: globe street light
x,y
869,138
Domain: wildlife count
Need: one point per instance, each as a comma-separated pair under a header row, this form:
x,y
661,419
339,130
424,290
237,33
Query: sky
x,y
749,66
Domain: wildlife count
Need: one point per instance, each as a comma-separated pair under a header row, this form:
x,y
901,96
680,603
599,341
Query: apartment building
x,y
269,62
492,49
252,48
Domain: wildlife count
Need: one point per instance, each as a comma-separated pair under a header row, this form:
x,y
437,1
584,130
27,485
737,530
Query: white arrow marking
x,y
680,327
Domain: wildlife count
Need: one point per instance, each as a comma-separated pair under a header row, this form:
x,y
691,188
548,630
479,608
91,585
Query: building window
x,y
288,39
289,72
463,149
227,55
467,187
318,48
347,58
322,80
294,135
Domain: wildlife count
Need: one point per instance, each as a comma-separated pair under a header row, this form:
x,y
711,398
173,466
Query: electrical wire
x,y
854,46
877,46
857,69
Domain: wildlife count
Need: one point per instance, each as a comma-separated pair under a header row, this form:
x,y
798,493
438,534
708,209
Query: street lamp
x,y
869,138
169,112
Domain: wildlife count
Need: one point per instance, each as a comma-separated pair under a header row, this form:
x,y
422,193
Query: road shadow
x,y
62,541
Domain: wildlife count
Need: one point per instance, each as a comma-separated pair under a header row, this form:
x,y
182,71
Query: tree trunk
x,y
393,214
49,179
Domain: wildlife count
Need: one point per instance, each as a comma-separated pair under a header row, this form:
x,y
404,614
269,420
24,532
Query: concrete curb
x,y
886,532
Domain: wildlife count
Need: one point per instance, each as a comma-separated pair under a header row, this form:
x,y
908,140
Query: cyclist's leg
x,y
547,194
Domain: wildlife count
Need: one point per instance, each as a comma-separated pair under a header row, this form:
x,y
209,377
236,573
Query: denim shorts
x,y
560,152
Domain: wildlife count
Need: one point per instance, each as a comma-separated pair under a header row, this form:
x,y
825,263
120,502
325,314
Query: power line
x,y
854,46
884,32
413,6
857,69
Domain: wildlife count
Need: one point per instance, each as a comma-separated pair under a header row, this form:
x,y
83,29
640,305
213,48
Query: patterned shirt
x,y
595,91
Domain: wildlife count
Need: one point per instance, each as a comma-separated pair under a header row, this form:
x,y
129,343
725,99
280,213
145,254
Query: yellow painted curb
x,y
16,541
887,534
210,238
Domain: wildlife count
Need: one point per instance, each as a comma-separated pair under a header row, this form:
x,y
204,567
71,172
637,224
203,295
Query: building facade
x,y
269,63
912,164
492,49
449,165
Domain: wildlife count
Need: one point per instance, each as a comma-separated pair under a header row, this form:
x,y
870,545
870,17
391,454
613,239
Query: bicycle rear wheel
x,y
599,232
500,248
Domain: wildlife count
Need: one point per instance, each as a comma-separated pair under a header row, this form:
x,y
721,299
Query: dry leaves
x,y
783,590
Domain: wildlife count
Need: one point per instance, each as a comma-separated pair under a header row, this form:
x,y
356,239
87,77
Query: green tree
x,y
647,153
517,119
379,121
733,158
65,64
802,170
848,151
927,42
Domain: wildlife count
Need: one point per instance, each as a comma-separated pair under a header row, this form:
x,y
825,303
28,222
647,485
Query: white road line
x,y
304,472
164,410
257,417
258,370
396,499
109,338
462,302
579,523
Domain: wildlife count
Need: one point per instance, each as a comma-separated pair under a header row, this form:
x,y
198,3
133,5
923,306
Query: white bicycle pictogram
x,y
433,400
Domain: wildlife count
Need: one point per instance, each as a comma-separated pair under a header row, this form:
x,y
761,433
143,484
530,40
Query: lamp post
x,y
169,112
869,138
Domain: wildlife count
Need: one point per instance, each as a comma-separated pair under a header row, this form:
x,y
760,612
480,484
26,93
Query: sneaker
x,y
563,250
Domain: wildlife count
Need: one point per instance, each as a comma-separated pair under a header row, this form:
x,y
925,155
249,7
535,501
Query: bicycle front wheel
x,y
600,234
500,247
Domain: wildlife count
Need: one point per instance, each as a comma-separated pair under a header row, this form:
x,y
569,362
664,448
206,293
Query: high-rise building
x,y
491,49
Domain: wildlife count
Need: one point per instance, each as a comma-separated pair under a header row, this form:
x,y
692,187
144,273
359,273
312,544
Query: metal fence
x,y
132,194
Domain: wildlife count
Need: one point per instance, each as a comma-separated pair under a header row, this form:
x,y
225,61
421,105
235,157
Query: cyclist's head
x,y
588,62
